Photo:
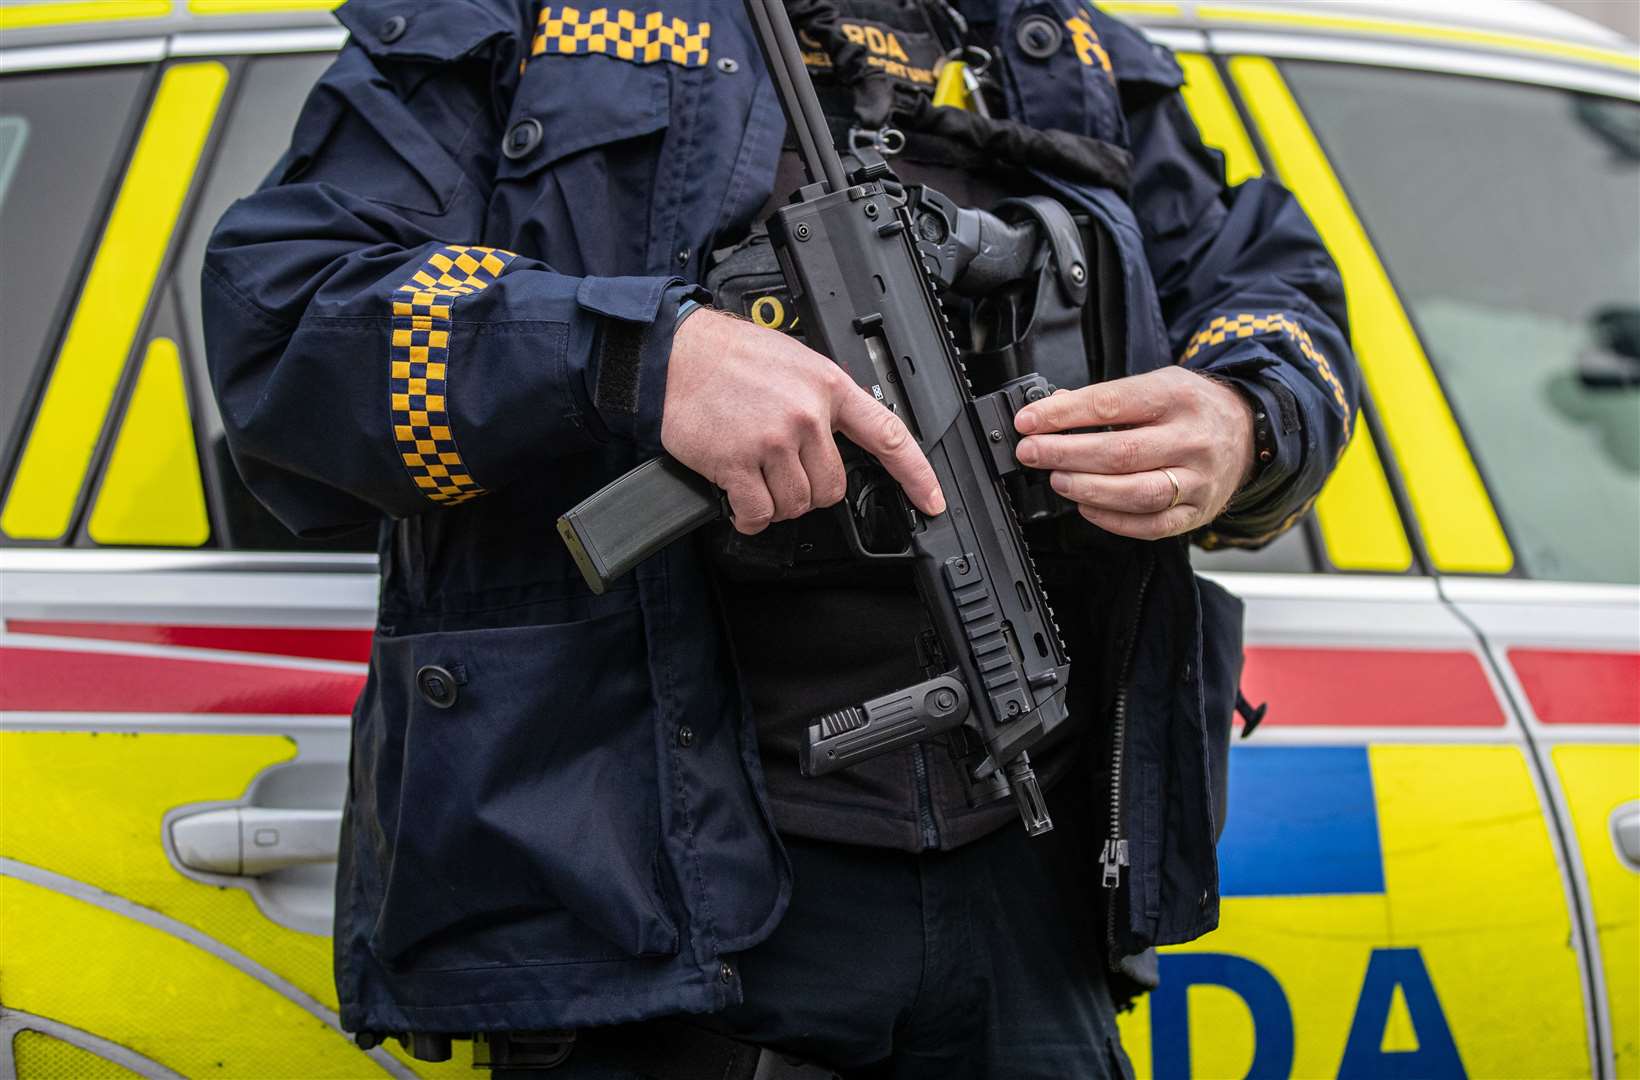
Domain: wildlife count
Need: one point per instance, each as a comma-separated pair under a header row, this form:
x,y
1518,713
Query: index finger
x,y
885,437
1128,400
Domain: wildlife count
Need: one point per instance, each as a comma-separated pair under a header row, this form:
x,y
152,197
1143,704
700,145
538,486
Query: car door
x,y
176,670
1370,925
1533,332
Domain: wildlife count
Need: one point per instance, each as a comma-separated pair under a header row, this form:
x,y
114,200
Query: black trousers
x,y
984,962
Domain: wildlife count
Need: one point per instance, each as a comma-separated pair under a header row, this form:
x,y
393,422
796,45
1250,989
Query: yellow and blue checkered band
x,y
647,37
1088,48
1231,327
419,379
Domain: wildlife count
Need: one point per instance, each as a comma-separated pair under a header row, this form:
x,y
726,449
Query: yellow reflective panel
x,y
1458,964
45,1057
52,468
1156,9
39,1056
23,16
165,998
1474,883
151,491
1596,780
1459,523
1385,27
1221,128
252,7
1360,523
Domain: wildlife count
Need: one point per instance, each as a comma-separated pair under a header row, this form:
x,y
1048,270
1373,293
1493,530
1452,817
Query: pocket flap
x,y
416,30
584,101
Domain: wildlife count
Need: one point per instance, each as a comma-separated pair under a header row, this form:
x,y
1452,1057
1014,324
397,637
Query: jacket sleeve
x,y
371,355
1249,295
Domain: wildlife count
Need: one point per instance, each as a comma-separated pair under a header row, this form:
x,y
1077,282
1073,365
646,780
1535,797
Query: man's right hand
x,y
753,411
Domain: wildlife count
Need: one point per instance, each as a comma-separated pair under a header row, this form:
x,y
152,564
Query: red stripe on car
x,y
52,680
318,644
1371,687
1581,687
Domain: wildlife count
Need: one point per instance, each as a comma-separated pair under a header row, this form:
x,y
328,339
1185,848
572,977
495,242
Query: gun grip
x,y
856,732
635,515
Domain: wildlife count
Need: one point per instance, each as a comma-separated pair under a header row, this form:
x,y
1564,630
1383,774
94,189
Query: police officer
x,y
468,295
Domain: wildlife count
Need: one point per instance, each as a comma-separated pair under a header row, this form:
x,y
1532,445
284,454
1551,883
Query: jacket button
x,y
392,29
522,137
1039,37
437,686
725,972
686,736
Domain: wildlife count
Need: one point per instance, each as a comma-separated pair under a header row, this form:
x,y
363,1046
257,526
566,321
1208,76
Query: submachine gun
x,y
861,270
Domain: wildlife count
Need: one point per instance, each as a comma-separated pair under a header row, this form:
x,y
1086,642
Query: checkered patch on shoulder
x,y
420,362
1089,50
1230,327
647,37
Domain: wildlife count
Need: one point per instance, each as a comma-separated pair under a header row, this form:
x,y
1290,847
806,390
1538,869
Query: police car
x,y
1432,859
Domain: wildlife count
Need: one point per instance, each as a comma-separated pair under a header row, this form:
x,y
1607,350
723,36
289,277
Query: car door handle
x,y
249,841
1626,834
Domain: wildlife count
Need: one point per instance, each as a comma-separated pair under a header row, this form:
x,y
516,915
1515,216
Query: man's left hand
x,y
1179,445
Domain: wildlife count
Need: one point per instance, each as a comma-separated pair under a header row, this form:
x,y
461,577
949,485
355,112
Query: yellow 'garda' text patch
x,y
909,57
420,359
1088,48
648,37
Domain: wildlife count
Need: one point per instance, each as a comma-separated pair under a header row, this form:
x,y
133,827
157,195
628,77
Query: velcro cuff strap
x,y
631,299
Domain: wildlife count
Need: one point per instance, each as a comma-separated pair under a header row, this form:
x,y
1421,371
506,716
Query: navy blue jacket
x,y
449,311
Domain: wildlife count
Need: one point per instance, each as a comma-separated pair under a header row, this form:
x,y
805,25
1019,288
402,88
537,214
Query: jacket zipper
x,y
1114,855
925,800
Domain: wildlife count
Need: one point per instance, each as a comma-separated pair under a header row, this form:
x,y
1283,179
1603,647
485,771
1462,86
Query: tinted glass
x,y
269,95
60,136
1288,553
1509,217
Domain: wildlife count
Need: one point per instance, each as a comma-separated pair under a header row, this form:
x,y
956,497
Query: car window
x,y
60,136
1293,552
270,94
1509,217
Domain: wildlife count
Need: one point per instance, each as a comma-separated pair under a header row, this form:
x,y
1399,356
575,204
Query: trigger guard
x,y
853,508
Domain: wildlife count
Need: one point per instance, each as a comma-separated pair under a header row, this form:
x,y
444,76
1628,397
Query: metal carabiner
x,y
886,141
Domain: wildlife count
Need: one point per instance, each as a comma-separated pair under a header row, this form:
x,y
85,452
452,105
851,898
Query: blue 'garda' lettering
x,y
1435,1058
1170,1013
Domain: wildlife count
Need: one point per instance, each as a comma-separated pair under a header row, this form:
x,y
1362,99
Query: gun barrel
x,y
778,43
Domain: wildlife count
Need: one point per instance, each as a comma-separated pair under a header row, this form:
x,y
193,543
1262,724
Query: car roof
x,y
1520,27
1531,18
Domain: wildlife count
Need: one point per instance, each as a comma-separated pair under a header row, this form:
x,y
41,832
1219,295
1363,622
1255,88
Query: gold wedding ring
x,y
1174,480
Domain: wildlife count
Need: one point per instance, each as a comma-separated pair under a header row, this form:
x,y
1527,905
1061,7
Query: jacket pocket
x,y
579,125
509,826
